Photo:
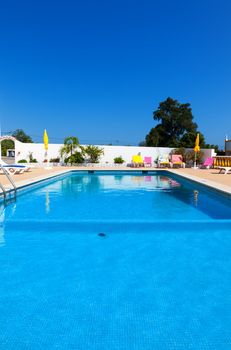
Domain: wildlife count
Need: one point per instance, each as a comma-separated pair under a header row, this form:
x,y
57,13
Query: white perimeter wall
x,y
22,151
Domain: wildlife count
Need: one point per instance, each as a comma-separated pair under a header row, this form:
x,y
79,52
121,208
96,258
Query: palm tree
x,y
70,145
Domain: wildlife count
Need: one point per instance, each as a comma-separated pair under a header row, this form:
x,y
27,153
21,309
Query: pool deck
x,y
210,177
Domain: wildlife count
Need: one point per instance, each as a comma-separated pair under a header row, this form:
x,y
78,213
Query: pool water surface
x,y
116,261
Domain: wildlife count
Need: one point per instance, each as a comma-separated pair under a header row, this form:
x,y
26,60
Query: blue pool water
x,y
160,278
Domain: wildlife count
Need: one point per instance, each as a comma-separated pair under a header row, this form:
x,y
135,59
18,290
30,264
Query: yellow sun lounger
x,y
137,161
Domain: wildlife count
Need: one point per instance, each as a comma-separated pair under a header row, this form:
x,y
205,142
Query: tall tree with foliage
x,y
175,120
156,137
188,140
21,136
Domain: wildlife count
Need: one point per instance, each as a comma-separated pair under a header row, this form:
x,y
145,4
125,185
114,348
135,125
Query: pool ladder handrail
x,y
4,191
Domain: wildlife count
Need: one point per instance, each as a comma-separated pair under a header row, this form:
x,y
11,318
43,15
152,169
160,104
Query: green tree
x,y
93,153
156,136
215,147
175,119
176,127
5,145
71,143
21,136
188,140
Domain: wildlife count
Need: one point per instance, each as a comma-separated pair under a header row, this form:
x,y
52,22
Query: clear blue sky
x,y
97,69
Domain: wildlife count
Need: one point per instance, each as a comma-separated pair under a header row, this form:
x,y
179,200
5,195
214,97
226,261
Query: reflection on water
x,y
195,197
135,182
75,184
47,202
10,206
84,197
147,178
94,183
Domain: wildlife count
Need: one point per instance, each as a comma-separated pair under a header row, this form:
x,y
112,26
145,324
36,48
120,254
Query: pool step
x,y
160,227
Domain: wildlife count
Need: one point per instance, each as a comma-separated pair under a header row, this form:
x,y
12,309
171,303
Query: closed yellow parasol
x,y
45,140
196,150
197,142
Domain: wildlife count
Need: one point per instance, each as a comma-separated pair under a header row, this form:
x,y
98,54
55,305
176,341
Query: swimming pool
x,y
158,276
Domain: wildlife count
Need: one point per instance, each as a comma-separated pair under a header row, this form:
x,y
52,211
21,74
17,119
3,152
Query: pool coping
x,y
211,184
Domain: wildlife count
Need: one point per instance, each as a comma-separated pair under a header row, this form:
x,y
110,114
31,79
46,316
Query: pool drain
x,y
101,234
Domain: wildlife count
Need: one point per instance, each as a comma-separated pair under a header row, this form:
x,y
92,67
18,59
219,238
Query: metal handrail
x,y
9,178
3,190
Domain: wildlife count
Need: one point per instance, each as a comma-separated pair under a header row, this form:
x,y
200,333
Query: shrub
x,y
22,161
93,153
119,160
76,158
190,156
31,159
55,160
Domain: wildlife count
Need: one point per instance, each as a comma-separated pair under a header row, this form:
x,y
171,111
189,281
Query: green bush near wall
x,y
119,160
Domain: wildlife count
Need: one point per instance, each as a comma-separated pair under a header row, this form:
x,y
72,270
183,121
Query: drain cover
x,y
101,234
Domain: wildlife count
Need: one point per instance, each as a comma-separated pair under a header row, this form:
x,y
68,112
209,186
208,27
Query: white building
x,y
228,147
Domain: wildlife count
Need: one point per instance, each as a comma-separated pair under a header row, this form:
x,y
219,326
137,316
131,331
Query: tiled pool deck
x,y
209,177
